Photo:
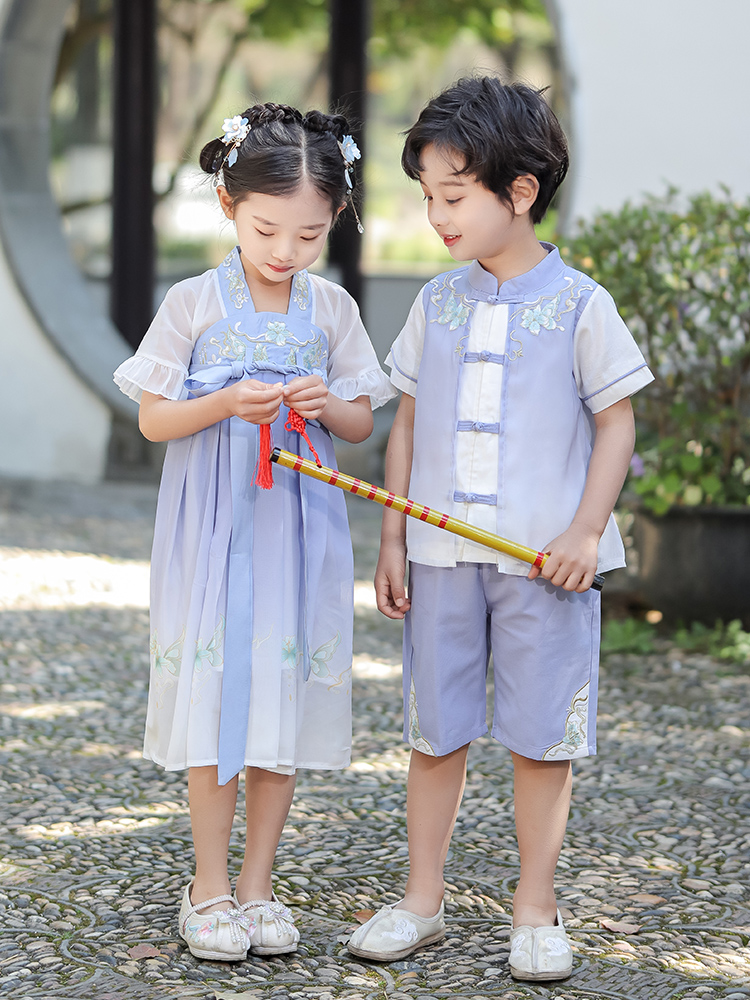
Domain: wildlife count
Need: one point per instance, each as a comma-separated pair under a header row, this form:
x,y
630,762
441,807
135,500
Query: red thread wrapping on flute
x,y
297,423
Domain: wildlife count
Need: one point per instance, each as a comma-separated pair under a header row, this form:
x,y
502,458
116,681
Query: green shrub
x,y
678,270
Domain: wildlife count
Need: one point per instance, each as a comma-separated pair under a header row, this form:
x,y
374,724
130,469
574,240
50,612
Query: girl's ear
x,y
524,191
226,202
339,210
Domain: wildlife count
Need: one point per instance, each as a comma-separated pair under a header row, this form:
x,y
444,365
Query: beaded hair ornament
x,y
236,129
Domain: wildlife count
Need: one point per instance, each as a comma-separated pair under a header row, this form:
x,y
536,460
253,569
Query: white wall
x,y
52,426
658,95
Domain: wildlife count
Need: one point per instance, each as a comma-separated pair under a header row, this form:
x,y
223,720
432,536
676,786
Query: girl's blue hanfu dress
x,y
251,592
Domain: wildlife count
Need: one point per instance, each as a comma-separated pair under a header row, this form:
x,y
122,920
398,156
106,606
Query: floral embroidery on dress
x,y
416,739
301,297
320,659
230,346
277,332
289,651
165,665
260,354
292,359
576,728
236,285
314,358
206,658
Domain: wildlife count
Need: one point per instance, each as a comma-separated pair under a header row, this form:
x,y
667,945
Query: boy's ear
x,y
225,200
524,191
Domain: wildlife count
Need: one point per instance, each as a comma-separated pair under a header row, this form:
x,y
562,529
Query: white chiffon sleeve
x,y
160,365
353,367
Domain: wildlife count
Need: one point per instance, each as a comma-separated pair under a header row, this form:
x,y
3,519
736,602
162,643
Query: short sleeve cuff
x,y
140,373
406,383
373,383
622,387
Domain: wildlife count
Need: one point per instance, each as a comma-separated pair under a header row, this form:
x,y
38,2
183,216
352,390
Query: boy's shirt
x,y
506,381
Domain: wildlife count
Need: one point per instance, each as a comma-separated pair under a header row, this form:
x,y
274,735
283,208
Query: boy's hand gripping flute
x,y
386,499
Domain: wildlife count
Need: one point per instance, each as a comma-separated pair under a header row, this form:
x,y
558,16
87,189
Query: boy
x,y
515,373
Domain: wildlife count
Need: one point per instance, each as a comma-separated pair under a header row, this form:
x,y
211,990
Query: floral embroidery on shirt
x,y
416,739
541,316
292,359
301,296
260,354
545,313
453,311
576,728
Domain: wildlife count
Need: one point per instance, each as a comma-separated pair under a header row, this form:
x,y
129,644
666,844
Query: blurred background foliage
x,y
218,56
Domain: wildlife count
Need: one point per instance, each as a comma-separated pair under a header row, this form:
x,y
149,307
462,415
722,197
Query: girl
x,y
251,603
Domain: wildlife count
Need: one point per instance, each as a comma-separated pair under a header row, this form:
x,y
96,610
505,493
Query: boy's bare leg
x,y
211,813
433,795
542,800
268,796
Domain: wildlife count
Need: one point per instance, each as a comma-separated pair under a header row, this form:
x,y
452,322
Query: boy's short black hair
x,y
501,131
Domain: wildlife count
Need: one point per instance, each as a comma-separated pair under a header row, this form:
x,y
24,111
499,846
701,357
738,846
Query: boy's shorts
x,y
545,649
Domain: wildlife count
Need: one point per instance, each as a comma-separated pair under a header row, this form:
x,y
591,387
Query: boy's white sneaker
x,y
540,952
392,934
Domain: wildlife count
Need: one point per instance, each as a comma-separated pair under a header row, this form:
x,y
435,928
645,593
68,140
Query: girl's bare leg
x,y
542,799
434,791
268,797
211,813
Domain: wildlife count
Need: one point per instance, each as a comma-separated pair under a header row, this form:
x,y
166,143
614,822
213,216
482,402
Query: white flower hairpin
x,y
235,129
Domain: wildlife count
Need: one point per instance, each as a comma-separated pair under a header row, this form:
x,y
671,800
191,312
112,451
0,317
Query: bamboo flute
x,y
386,499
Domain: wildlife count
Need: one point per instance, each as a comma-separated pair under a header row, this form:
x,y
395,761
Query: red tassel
x,y
264,469
297,423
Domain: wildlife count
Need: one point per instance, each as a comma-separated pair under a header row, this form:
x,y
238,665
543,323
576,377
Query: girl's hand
x,y
254,401
390,593
308,395
572,559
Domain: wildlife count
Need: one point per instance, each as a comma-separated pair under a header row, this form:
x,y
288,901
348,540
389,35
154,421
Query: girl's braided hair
x,y
281,149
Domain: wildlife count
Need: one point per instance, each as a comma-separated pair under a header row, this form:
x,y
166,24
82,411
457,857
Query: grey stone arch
x,y
31,33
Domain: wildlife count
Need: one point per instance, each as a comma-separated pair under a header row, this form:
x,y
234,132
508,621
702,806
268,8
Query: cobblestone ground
x,y
654,880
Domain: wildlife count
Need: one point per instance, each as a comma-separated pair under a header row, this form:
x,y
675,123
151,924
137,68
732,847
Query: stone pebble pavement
x,y
95,848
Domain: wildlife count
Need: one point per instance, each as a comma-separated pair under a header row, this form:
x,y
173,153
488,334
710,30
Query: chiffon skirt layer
x,y
299,621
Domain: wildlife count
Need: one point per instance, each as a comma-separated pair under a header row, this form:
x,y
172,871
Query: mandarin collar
x,y
484,286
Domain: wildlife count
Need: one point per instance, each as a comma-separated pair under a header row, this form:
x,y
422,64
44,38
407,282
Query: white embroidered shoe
x,y
271,926
223,935
540,952
393,934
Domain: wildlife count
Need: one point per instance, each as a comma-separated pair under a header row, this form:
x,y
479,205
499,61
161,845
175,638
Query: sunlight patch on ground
x,y
367,668
364,595
52,709
31,579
